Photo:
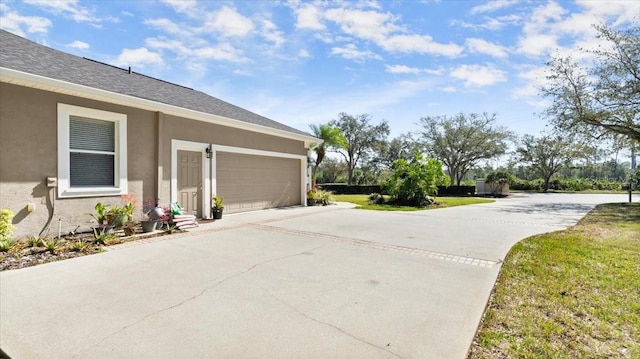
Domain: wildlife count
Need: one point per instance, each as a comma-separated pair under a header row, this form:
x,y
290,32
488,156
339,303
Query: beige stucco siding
x,y
28,155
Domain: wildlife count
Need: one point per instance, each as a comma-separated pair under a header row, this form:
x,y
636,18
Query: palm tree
x,y
331,136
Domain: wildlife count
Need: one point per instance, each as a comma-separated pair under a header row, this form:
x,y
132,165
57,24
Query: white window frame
x,y
120,161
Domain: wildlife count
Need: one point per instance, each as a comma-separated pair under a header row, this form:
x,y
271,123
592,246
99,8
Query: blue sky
x,y
303,62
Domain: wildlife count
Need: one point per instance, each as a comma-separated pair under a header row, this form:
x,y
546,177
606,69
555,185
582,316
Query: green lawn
x,y
569,294
442,202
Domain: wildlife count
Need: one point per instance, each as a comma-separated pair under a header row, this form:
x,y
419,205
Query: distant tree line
x,y
594,114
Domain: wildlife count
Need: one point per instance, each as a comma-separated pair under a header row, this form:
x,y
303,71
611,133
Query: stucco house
x,y
74,131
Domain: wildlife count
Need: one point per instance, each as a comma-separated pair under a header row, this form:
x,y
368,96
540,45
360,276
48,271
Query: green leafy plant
x,y
52,244
35,241
217,202
7,244
79,245
170,229
498,180
113,215
102,237
6,227
415,182
324,197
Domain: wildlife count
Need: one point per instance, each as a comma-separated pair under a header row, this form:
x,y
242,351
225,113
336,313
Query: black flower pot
x,y
217,213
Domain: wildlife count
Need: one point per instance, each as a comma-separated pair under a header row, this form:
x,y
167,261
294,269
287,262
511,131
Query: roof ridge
x,y
137,73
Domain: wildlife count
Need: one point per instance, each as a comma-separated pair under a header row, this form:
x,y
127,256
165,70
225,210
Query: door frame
x,y
180,145
249,151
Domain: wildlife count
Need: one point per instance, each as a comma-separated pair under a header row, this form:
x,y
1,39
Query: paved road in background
x,y
321,282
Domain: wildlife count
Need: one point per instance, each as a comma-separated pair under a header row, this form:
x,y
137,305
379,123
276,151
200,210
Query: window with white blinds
x,y
92,152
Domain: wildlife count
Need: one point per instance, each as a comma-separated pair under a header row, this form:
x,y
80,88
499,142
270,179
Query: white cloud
x,y
351,52
420,44
187,7
481,46
621,11
166,44
309,16
271,32
478,75
80,45
368,25
492,5
538,38
138,57
70,8
223,51
168,26
196,50
449,89
403,69
241,72
538,44
21,25
228,22
304,54
535,77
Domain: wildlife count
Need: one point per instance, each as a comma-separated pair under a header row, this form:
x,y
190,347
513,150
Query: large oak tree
x,y
361,136
546,154
601,95
462,141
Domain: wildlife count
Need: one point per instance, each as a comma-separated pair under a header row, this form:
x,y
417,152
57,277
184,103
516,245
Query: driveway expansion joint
x,y
454,258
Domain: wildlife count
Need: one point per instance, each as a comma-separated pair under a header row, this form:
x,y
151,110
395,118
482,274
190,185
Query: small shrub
x,y
79,245
7,244
170,229
414,181
324,197
6,227
498,181
34,241
52,245
103,238
376,198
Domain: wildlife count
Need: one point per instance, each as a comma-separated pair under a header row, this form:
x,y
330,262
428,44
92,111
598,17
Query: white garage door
x,y
249,182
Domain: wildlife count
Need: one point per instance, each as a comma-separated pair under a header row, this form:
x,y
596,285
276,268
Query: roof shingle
x,y
20,54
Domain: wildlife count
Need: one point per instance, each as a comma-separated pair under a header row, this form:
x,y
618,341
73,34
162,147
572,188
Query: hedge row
x,y
566,184
339,188
456,190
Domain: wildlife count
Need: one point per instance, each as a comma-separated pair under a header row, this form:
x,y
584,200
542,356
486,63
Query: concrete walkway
x,y
322,282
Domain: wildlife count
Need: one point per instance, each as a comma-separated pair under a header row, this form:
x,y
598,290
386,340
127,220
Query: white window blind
x,y
92,152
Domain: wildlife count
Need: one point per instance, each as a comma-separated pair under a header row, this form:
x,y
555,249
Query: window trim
x,y
120,161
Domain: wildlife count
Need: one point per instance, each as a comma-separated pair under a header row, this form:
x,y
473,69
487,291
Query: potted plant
x,y
216,210
312,197
104,216
151,216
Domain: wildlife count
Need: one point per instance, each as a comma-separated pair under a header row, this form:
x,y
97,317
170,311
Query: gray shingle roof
x,y
24,55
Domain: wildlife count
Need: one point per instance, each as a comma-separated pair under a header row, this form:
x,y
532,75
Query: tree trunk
x,y
546,183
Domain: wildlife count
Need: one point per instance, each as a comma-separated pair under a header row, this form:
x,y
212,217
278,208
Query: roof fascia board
x,y
68,88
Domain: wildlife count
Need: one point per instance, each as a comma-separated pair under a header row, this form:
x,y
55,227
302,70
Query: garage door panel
x,y
249,182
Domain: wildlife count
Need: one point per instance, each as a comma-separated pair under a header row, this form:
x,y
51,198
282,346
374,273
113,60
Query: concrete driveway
x,y
322,282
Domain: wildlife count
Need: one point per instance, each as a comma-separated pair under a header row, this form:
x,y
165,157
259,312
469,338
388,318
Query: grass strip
x,y
569,294
362,200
